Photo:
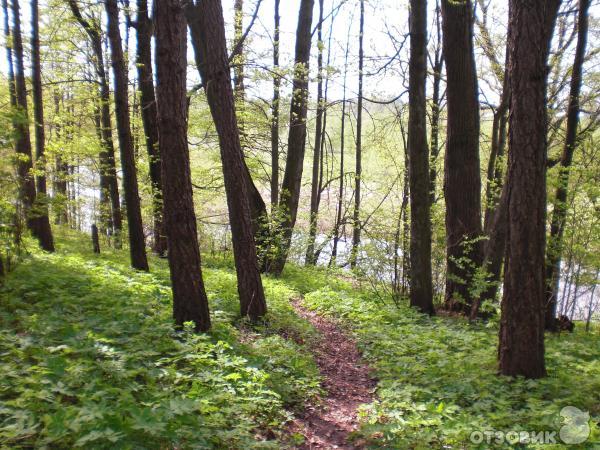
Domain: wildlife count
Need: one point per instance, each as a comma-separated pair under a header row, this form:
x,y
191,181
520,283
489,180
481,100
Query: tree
x,y
559,213
521,347
207,18
109,186
275,114
436,100
46,238
37,218
356,225
318,147
137,247
144,29
421,291
290,188
190,302
462,182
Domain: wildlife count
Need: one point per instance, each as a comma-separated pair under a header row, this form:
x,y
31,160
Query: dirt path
x,y
346,380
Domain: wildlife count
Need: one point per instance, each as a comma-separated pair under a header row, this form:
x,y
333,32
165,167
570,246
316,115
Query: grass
x,y
90,360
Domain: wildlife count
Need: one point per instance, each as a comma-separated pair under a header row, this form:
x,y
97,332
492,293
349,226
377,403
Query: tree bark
x,y
144,29
559,213
462,181
290,188
208,16
37,218
46,238
436,100
60,170
109,184
318,147
421,290
137,247
95,239
521,346
275,108
356,224
190,302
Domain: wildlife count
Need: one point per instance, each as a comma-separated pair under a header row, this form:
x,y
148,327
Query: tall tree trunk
x,y
46,238
137,247
109,183
290,188
340,201
60,169
436,100
258,208
190,302
462,182
208,16
521,346
144,30
421,290
37,220
318,147
275,108
356,225
559,213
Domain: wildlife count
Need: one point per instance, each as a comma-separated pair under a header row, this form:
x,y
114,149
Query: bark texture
x,y
190,302
421,291
137,246
208,14
521,347
462,179
275,113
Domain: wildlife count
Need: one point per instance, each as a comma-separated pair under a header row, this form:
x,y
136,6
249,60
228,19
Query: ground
x,y
90,360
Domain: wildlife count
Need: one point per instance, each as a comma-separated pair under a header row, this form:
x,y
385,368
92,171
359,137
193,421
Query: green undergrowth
x,y
89,358
438,379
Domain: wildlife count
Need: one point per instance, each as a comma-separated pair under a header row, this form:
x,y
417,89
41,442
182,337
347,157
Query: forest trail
x,y
346,380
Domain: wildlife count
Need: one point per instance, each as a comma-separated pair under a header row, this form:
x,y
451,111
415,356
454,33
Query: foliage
x,y
90,359
438,382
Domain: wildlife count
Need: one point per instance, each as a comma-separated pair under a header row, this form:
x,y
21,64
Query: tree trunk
x,y
95,239
60,170
421,290
462,182
521,347
137,247
208,16
356,225
275,108
109,184
290,188
190,302
318,147
436,100
37,219
238,69
258,208
559,213
144,30
46,238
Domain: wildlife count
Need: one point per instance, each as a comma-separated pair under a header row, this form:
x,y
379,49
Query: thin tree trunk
x,y
238,62
462,182
318,147
137,247
46,238
290,188
559,213
436,100
95,239
275,108
356,225
109,184
521,346
208,17
61,170
190,302
144,30
421,290
591,305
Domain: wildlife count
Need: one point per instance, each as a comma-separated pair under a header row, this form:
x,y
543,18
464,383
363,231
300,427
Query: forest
x,y
300,224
